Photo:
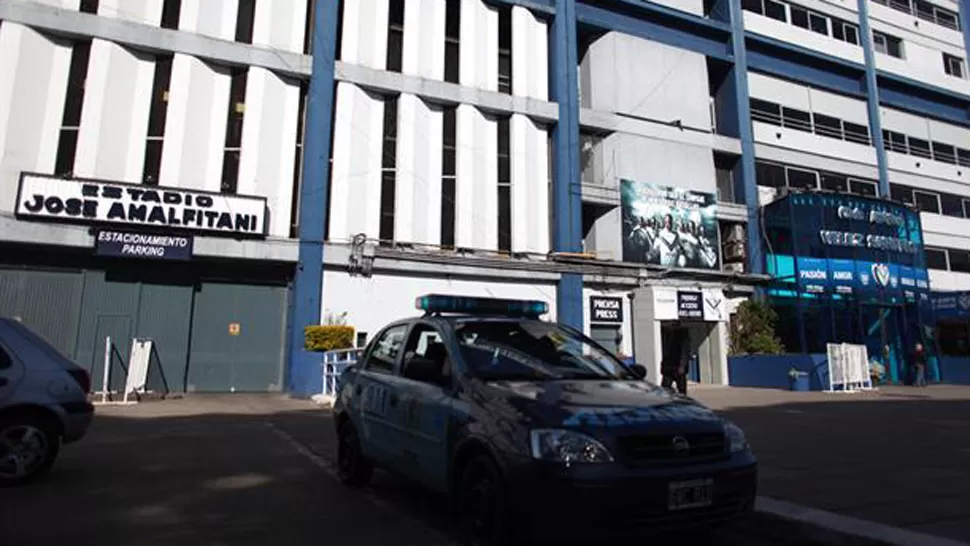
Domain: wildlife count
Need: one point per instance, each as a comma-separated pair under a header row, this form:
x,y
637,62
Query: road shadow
x,y
248,479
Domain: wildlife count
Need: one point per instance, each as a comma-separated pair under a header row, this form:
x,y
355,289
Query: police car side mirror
x,y
639,371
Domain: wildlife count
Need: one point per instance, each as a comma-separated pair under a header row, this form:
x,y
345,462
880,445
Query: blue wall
x,y
955,369
771,371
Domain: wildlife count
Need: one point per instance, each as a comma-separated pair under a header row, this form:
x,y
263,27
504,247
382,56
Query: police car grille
x,y
661,447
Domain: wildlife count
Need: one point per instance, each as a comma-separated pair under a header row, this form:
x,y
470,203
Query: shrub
x,y
753,330
328,337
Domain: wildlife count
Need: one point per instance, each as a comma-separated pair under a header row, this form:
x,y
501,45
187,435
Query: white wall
x,y
695,7
922,172
479,64
923,48
529,148
33,85
530,55
417,214
423,53
371,303
355,180
280,24
946,231
942,281
476,186
148,12
911,28
364,38
671,86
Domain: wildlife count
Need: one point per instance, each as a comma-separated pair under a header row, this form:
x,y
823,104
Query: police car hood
x,y
602,403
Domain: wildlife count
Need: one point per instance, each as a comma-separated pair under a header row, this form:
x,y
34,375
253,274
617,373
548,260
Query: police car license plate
x,y
690,494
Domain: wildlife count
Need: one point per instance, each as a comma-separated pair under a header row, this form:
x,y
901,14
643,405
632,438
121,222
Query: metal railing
x,y
333,365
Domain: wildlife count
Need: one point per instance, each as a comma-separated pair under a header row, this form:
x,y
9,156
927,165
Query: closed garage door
x,y
237,338
48,302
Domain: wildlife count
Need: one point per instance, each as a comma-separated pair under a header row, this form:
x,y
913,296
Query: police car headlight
x,y
735,437
567,446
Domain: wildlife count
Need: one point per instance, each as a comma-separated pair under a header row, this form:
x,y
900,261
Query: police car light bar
x,y
437,303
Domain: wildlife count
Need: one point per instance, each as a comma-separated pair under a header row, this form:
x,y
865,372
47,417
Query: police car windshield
x,y
533,350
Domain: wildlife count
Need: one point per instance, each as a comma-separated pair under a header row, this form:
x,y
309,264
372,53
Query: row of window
x,y
448,177
155,137
845,31
948,259
926,11
947,204
776,175
919,147
820,124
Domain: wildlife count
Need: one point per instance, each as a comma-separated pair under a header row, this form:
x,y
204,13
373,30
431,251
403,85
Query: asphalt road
x,y
243,471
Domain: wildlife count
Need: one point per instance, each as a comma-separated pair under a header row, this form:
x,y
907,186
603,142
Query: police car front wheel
x,y
352,467
481,503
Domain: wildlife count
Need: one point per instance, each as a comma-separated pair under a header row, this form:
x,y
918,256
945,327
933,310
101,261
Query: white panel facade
x,y
195,125
364,37
216,18
479,64
423,54
371,303
417,214
476,187
529,148
355,179
530,55
280,24
840,106
660,162
909,27
114,118
148,12
690,6
33,85
780,30
795,139
944,281
905,123
922,63
269,143
764,87
672,86
950,134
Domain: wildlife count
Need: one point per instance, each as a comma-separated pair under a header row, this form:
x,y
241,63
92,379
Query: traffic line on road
x,y
330,469
846,525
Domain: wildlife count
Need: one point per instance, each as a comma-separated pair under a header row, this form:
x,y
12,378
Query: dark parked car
x,y
43,403
524,421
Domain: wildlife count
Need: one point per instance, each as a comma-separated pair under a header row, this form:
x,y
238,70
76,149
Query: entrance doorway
x,y
609,336
886,339
701,360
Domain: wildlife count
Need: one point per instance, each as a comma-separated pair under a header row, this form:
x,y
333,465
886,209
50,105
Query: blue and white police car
x,y
524,421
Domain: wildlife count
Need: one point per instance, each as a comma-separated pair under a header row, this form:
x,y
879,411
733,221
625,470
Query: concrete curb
x,y
845,526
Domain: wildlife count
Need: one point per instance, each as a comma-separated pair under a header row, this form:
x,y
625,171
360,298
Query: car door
x,y
11,369
378,389
428,408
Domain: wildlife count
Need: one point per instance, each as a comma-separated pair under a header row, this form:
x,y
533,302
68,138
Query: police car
x,y
524,421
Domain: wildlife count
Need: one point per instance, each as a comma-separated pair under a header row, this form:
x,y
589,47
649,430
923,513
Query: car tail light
x,y
82,377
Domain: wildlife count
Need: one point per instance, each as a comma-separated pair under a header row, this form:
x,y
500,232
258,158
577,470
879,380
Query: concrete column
x,y
647,343
719,345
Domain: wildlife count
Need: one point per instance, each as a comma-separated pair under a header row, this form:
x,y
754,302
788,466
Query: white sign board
x,y
713,306
99,202
141,355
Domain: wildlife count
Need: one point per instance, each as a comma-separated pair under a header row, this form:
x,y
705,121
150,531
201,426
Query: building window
x,y
855,132
926,201
890,45
74,102
835,182
847,32
308,28
244,21
776,10
945,153
504,187
901,193
505,51
388,171
801,178
298,160
919,148
792,118
963,157
448,177
936,259
171,10
452,39
89,6
768,112
395,35
953,65
966,208
951,205
827,126
156,120
894,141
865,188
959,260
234,129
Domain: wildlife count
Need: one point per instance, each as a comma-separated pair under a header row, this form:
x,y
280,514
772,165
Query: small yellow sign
x,y
234,328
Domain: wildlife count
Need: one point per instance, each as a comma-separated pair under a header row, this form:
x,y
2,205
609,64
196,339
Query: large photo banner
x,y
671,227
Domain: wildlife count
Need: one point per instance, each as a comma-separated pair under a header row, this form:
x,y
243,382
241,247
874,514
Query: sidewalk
x,y
898,456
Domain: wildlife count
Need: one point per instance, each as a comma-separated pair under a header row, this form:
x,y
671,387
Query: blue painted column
x,y
965,25
745,177
303,370
567,213
872,97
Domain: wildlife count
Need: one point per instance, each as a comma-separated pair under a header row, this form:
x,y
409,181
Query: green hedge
x,y
328,337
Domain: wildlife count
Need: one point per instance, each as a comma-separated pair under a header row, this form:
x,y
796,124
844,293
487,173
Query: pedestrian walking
x,y
919,363
674,364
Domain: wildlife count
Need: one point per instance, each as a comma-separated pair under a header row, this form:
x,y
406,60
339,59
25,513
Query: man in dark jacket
x,y
919,361
673,366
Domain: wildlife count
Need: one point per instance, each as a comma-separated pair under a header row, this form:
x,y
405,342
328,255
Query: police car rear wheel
x,y
352,467
480,501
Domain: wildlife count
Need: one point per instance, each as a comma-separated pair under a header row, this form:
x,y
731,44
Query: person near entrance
x,y
673,365
919,362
